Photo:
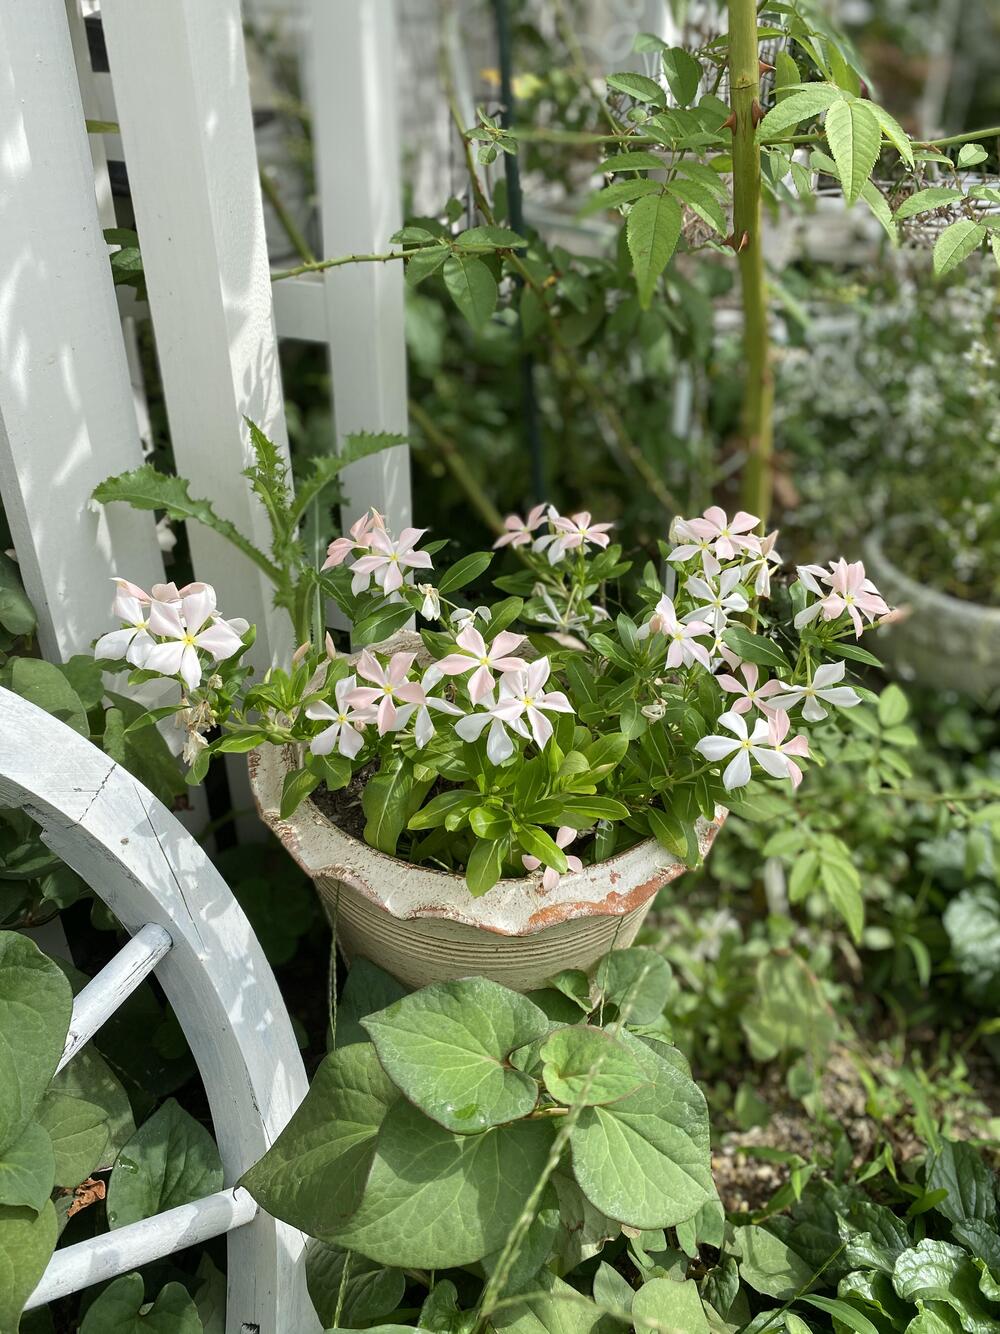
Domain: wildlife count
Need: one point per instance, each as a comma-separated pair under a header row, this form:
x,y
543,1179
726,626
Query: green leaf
x,y
789,1012
786,72
147,489
588,1066
368,988
27,1170
880,210
27,1241
435,1200
700,201
579,812
671,1305
847,1315
501,237
755,648
122,1309
447,1048
652,231
464,571
472,287
17,615
893,706
422,263
638,87
937,1271
638,981
35,1008
645,1160
855,137
956,243
959,1169
170,1160
296,787
89,1077
314,1174
550,1307
43,684
621,192
768,1265
366,1293
380,623
79,1132
970,155
676,836
385,801
537,843
485,866
635,161
683,73
894,132
797,107
923,201
842,885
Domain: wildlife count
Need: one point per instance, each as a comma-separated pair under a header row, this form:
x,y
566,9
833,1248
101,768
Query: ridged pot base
x,y
422,925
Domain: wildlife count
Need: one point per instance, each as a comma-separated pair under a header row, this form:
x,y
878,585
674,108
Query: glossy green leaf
x,y
464,571
314,1173
652,231
367,1292
472,287
435,1200
638,86
35,1008
855,137
386,803
43,684
956,243
797,107
589,1066
122,1309
683,73
645,1160
447,1048
170,1160
671,1305
755,648
79,1132
27,1241
27,1169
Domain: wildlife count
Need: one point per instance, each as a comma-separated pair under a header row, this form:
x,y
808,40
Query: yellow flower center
x,y
484,662
189,640
528,701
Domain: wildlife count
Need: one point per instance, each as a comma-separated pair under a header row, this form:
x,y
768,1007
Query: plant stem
x,y
758,392
457,466
288,223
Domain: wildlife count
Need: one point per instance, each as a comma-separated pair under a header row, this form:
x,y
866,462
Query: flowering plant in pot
x,y
541,762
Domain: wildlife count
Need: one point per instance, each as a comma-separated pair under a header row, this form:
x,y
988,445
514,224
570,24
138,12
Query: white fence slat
x,y
183,103
105,825
113,985
352,89
100,1258
66,414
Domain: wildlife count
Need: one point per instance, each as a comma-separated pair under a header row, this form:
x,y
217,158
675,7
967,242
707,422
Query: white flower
x,y
133,641
499,746
741,746
388,560
430,608
762,565
550,877
684,649
692,545
476,656
347,724
186,626
522,699
718,602
821,687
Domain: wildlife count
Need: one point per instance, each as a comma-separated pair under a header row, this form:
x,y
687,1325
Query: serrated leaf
x,y
35,1008
894,132
170,1160
700,201
956,243
472,287
501,237
637,161
620,192
447,1048
463,1202
652,231
683,73
314,1174
855,137
797,107
638,87
422,263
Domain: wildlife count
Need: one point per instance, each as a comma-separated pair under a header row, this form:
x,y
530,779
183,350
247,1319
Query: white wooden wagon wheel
x,y
185,923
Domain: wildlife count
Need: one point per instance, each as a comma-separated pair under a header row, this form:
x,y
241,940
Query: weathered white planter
x,y
423,925
945,641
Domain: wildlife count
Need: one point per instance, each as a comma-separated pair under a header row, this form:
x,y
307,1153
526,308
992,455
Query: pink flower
x,y
360,539
576,531
519,530
388,559
756,744
133,641
684,648
390,688
477,654
550,878
778,725
692,546
849,590
499,746
727,536
748,692
768,557
347,724
522,700
823,687
185,627
717,602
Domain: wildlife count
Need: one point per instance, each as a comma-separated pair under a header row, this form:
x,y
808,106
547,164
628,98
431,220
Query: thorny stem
x,y
452,458
288,224
758,392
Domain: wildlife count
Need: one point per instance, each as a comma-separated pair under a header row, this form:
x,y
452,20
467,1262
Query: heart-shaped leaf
x,y
35,1007
122,1309
170,1160
588,1066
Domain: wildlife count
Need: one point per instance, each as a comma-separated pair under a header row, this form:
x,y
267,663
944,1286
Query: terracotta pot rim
x,y
922,595
513,907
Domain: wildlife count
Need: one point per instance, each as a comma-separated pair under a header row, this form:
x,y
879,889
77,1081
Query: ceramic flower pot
x,y
945,642
423,925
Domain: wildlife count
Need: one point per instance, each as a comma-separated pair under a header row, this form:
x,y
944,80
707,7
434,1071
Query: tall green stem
x,y
758,392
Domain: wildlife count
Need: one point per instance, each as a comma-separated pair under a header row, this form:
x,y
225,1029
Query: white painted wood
x,y
112,1253
300,307
183,104
147,868
352,87
66,414
113,985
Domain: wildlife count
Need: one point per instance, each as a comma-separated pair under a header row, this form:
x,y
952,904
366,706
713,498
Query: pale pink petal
x,y
503,644
197,608
499,746
770,761
219,640
455,664
370,668
399,666
541,728
480,683
319,710
165,619
472,641
114,644
166,658
737,771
